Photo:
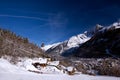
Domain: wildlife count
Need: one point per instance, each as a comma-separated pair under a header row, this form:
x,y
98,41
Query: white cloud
x,y
58,20
26,17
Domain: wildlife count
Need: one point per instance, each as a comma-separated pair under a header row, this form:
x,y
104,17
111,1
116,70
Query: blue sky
x,y
51,21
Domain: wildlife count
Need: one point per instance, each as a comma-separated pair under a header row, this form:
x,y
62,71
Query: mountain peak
x,y
116,24
74,41
71,43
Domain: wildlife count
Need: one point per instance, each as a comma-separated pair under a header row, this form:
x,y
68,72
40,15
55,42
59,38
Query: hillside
x,y
17,46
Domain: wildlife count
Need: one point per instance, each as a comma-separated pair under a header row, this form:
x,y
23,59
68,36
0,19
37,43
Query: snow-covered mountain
x,y
45,48
104,43
75,41
103,40
67,45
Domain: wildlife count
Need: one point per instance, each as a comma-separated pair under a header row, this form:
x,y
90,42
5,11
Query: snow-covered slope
x,y
5,66
75,41
30,76
116,25
46,47
9,71
71,43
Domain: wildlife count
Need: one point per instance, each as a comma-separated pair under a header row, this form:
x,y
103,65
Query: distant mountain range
x,y
99,42
72,43
103,42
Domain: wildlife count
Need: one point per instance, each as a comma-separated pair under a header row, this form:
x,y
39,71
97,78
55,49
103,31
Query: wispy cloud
x,y
26,17
58,20
58,24
32,12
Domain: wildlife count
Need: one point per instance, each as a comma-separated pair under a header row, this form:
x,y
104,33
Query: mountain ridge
x,y
72,42
105,43
70,46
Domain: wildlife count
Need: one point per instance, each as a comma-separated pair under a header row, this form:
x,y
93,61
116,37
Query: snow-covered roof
x,y
70,68
42,60
55,63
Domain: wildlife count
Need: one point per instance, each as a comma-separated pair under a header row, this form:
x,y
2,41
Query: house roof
x,y
42,60
70,68
55,63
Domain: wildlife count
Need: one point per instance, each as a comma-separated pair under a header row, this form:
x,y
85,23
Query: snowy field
x,y
12,72
32,76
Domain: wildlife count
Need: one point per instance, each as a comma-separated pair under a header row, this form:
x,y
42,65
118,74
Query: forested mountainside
x,y
17,46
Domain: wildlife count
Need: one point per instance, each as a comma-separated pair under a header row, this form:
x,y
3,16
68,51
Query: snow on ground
x,y
49,69
70,68
9,71
33,76
5,66
27,65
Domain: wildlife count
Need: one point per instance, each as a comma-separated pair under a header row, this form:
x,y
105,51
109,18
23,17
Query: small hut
x,y
41,63
49,59
54,63
70,70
